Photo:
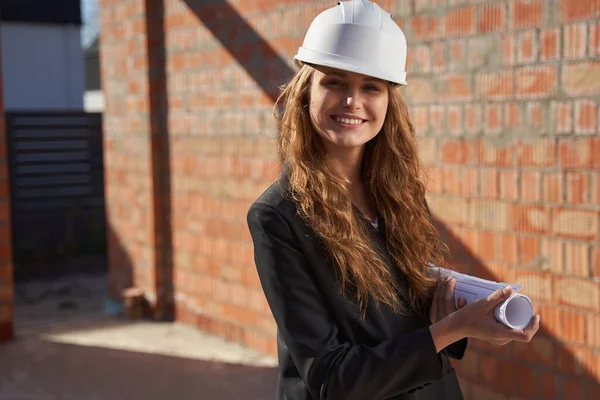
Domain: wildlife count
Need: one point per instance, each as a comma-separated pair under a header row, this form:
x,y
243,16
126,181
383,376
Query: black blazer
x,y
326,349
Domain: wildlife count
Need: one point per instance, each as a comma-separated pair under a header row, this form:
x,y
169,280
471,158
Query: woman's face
x,y
347,109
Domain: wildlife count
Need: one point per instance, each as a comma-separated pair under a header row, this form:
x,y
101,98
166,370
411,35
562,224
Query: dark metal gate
x,y
57,192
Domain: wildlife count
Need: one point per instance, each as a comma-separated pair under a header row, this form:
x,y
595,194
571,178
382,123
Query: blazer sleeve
x,y
331,367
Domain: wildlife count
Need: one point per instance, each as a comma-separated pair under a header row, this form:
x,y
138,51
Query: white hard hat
x,y
356,36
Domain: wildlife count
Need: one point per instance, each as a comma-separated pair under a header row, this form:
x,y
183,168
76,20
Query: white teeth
x,y
349,121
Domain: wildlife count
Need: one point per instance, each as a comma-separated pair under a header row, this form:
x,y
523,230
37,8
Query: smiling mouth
x,y
348,121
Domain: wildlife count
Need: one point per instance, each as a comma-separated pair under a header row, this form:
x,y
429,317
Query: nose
x,y
351,99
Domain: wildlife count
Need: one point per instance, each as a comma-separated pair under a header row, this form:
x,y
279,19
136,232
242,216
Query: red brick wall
x,y
6,273
505,98
127,146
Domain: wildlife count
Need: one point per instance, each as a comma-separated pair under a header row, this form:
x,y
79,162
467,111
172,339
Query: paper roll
x,y
515,312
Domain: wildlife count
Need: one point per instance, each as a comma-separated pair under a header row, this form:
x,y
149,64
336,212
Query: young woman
x,y
343,239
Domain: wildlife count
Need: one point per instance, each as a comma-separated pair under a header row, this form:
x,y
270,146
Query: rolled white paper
x,y
515,312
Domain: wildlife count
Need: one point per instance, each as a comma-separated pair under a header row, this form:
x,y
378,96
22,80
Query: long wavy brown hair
x,y
391,172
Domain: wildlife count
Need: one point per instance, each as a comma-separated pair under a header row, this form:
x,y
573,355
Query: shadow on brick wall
x,y
260,60
544,368
161,160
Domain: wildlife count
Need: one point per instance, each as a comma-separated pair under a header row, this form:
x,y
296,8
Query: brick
x,y
553,254
563,117
507,43
473,118
539,81
457,52
470,178
574,359
595,188
531,219
529,251
470,365
454,87
549,388
427,150
572,11
424,26
526,13
537,285
574,153
489,183
436,120
577,187
593,330
507,377
527,381
508,248
586,116
419,59
496,85
541,350
580,79
509,186
439,57
573,388
579,224
487,153
488,369
489,215
483,52
527,48
460,21
535,112
421,90
433,179
594,40
451,179
531,186
550,44
493,117
492,17
578,292
595,261
577,259
454,118
455,151
454,210
574,40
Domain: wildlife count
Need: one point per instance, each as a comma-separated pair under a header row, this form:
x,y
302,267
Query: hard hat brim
x,y
306,56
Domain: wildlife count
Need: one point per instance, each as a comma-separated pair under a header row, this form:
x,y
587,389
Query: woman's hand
x,y
443,304
477,320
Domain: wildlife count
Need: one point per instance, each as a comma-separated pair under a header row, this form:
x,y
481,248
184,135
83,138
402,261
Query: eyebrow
x,y
344,75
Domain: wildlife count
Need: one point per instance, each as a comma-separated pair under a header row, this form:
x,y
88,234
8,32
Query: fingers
x,y
532,329
521,335
449,305
498,296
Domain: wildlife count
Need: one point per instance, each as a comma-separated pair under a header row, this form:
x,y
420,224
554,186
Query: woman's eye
x,y
335,83
372,88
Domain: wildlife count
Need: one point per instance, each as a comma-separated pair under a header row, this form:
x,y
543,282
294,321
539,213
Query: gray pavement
x,y
69,348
